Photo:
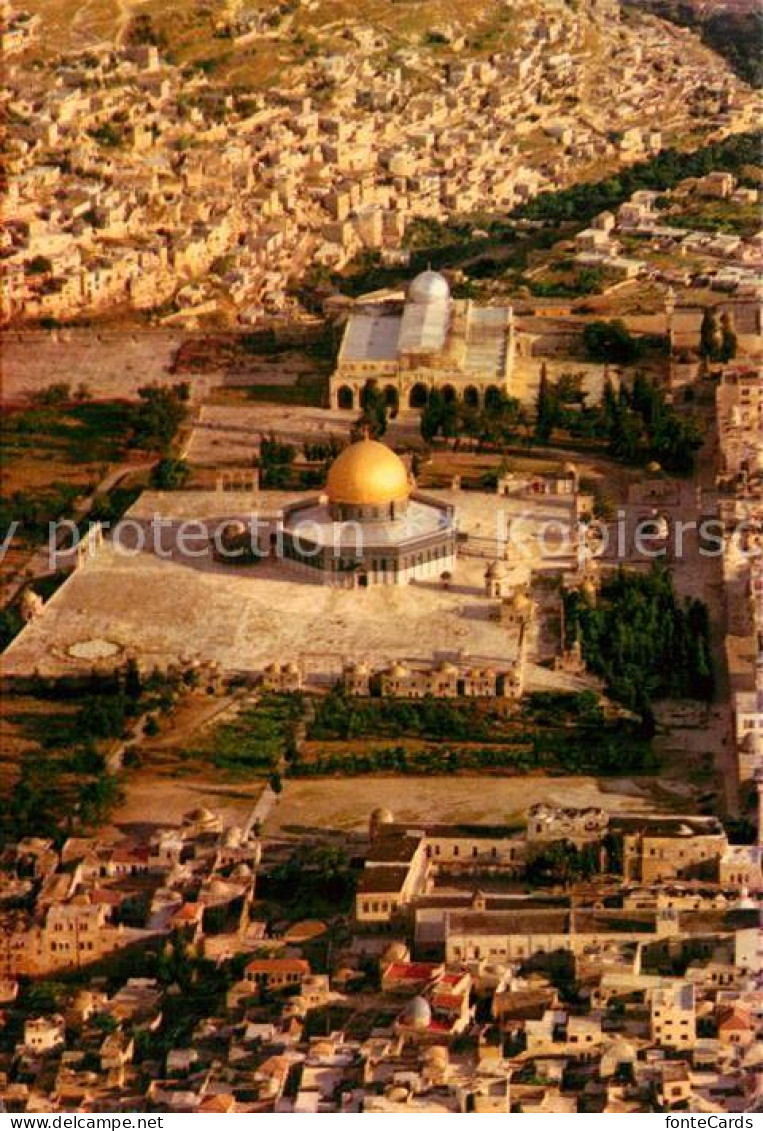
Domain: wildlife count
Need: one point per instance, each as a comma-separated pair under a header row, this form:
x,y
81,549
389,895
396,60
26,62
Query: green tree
x,y
545,408
374,410
611,342
158,417
709,336
170,474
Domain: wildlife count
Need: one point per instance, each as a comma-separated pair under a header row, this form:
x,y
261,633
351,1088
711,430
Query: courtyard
x,y
165,608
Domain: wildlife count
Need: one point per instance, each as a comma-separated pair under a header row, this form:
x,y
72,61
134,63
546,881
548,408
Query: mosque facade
x,y
429,341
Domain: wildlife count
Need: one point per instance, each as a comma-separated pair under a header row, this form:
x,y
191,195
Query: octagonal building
x,y
370,527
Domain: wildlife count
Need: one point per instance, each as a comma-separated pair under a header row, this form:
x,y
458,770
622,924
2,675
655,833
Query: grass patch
x,y
564,733
306,390
81,434
256,740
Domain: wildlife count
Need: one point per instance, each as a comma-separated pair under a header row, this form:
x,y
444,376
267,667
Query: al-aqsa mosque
x,y
424,341
370,526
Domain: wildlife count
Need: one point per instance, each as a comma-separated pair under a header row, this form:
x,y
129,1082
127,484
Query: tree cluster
x,y
562,862
717,341
581,202
159,415
375,409
170,474
276,461
643,641
637,423
497,423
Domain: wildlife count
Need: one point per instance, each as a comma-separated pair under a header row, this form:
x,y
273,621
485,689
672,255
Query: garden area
x,y
255,741
56,740
642,640
546,732
56,450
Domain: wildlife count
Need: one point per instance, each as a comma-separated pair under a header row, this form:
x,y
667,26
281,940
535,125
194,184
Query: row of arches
x,y
418,396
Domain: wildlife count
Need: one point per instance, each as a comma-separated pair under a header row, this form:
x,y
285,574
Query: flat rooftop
x,y
371,337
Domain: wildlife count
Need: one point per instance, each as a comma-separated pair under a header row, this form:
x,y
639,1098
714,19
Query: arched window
x,y
419,396
492,396
345,397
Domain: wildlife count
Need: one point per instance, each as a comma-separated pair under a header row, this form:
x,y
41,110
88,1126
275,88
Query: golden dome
x,y
367,473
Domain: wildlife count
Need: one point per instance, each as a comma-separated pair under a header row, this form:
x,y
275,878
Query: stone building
x,y
430,341
403,860
666,848
580,826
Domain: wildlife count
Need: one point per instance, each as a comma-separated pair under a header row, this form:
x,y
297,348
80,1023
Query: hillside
x,y
258,43
309,135
733,28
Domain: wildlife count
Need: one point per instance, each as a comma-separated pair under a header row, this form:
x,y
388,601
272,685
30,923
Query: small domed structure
x,y
379,818
429,287
204,820
745,901
397,1093
232,837
620,1052
752,743
31,605
417,1013
395,951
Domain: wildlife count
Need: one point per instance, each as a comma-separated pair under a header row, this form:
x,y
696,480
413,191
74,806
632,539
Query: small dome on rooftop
x,y
752,743
395,951
417,1013
429,286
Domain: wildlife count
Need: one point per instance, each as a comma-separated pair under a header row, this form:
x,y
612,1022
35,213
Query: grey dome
x,y
418,1013
429,286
